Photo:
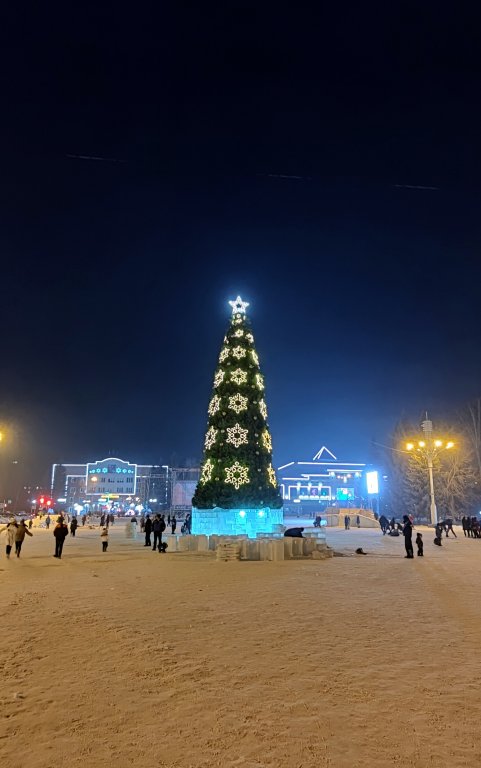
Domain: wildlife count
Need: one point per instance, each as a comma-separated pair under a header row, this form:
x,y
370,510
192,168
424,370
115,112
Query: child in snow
x,y
105,539
419,544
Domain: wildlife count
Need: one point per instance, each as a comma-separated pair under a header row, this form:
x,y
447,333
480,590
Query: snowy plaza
x,y
136,658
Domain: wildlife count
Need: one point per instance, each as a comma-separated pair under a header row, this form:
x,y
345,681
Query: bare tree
x,y
471,422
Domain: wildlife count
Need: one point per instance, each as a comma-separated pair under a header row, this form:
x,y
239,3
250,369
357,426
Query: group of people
x,y
347,522
15,535
471,527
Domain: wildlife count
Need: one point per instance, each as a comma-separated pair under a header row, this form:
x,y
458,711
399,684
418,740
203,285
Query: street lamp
x,y
429,449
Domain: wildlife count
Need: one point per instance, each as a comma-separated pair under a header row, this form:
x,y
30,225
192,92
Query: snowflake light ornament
x,y
223,354
267,440
250,338
272,476
237,319
207,470
239,352
259,381
238,403
236,435
254,357
237,475
214,405
239,333
238,376
210,438
219,378
263,408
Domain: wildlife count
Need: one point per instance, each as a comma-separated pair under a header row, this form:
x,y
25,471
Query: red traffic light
x,y
41,500
49,502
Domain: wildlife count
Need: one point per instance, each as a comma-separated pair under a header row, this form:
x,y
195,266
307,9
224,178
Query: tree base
x,y
235,522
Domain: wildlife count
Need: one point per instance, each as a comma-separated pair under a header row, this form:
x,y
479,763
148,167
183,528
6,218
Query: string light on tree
x,y
219,378
272,476
238,403
237,320
255,357
267,440
239,352
207,469
250,338
259,381
214,405
223,355
239,333
263,408
210,437
237,475
238,376
237,435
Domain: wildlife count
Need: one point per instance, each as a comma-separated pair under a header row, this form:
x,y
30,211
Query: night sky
x,y
116,272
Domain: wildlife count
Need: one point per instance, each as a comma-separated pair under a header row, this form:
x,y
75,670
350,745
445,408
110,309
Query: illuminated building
x,y
325,481
110,483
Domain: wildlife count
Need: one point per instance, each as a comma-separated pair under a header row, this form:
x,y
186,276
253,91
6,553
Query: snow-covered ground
x,y
134,658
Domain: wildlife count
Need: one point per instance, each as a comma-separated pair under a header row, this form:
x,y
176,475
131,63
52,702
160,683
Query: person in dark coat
x,y
295,533
438,534
173,523
102,521
47,521
148,531
408,536
463,523
419,544
158,527
384,523
60,532
73,526
448,526
468,527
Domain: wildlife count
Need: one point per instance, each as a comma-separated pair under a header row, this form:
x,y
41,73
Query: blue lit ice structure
x,y
235,522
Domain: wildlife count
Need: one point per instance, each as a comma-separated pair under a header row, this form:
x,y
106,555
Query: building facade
x,y
111,483
326,482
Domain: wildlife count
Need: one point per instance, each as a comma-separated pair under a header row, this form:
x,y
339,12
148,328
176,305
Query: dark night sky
x,y
116,273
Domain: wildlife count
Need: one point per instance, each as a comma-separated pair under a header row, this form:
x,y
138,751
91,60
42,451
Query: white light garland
x,y
237,319
237,475
236,435
239,352
267,440
219,378
259,381
272,476
263,408
223,354
239,306
238,403
210,438
254,357
238,376
207,470
239,333
250,338
214,405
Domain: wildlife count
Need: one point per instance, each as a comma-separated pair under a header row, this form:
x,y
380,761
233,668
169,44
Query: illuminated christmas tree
x,y
237,472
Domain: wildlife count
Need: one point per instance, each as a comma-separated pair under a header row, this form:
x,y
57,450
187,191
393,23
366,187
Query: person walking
x,y
173,523
73,526
147,531
448,526
463,523
84,520
469,529
158,528
20,534
347,522
438,535
104,535
408,536
10,530
60,532
48,521
358,521
102,520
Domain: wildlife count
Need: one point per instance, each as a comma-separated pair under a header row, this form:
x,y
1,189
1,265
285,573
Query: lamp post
x,y
430,448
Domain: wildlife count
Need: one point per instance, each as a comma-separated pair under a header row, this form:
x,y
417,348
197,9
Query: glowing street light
x,y
429,449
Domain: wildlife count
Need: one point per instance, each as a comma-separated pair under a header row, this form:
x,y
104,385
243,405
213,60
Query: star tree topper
x,y
239,306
